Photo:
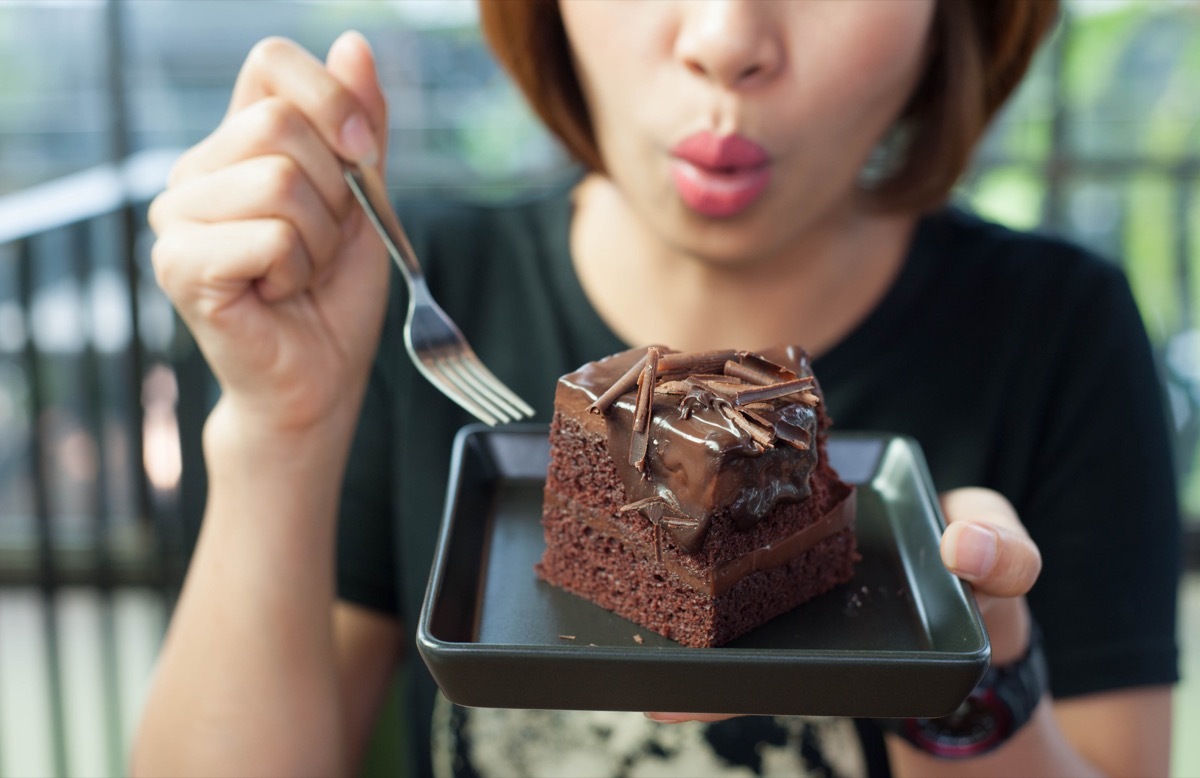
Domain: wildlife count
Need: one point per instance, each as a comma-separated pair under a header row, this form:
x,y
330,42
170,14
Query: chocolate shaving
x,y
624,384
756,370
751,414
761,436
639,441
639,445
695,361
672,388
666,499
645,396
700,395
738,370
809,399
727,389
758,394
719,377
679,522
799,445
796,437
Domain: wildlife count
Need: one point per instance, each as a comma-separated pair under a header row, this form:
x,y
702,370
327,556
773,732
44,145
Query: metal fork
x,y
434,342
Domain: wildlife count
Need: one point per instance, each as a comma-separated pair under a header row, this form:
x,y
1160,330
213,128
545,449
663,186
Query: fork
x,y
434,342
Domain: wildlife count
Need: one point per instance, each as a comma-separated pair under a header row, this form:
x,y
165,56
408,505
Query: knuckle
x,y
268,51
179,169
279,240
333,105
1023,565
275,118
154,214
282,179
1033,565
164,259
333,98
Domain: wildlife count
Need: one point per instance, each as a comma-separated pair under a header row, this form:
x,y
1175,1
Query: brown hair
x,y
979,51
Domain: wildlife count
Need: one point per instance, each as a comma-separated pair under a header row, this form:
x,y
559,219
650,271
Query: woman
x,y
734,195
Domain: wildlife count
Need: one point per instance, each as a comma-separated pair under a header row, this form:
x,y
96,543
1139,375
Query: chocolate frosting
x,y
731,433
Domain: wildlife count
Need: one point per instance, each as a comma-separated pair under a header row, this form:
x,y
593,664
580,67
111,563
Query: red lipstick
x,y
719,176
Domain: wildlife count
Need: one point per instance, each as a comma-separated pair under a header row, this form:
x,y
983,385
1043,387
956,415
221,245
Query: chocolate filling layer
x,y
724,576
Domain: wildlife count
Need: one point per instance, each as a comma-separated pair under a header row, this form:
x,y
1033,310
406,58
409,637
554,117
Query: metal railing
x,y
77,505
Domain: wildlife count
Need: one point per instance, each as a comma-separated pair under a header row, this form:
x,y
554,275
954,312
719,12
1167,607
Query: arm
x,y
284,286
369,645
261,671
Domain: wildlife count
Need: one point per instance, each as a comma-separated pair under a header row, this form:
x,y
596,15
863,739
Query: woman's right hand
x,y
262,248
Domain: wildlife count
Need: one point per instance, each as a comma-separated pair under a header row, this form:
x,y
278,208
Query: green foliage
x,y
1149,254
1172,134
1093,53
1010,195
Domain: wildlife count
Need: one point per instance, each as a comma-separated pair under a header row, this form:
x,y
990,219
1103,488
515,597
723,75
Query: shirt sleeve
x,y
1102,503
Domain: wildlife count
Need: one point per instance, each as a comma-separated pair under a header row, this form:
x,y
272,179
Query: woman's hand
x,y
261,247
986,545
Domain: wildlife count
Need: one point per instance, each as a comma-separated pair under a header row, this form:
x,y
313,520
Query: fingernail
x,y
358,141
973,555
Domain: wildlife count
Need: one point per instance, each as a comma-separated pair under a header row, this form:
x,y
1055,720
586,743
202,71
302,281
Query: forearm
x,y
247,679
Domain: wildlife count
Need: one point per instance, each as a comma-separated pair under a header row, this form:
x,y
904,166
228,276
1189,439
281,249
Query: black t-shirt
x,y
1018,362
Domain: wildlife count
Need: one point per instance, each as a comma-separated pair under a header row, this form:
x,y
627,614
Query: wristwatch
x,y
999,705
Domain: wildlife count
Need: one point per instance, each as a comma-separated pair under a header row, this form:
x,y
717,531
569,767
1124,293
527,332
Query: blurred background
x,y
98,97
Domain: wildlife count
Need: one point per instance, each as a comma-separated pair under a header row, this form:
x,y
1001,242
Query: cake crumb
x,y
566,637
638,639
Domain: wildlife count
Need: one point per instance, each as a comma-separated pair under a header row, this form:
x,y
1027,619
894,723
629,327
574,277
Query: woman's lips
x,y
719,176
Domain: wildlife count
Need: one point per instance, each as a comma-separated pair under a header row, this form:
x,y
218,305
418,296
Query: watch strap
x,y
1001,703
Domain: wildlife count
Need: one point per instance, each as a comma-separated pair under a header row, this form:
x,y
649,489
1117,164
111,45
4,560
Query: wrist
x,y
283,470
237,437
999,706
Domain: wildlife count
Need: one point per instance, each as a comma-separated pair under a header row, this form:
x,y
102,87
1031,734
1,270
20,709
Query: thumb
x,y
986,544
351,61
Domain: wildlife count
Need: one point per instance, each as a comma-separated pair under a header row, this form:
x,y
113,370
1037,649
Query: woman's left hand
x,y
986,545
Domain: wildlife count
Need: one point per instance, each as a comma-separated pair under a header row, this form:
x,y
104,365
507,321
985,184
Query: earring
x,y
887,156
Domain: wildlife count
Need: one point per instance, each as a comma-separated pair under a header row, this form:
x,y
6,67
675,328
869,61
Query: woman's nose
x,y
734,43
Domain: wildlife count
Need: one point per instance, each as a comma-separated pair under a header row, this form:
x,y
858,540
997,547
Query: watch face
x,y
979,723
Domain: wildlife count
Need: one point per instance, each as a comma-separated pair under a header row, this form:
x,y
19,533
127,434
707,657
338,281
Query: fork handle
x,y
371,193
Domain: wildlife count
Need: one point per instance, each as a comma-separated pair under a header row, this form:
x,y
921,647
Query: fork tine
x,y
463,364
453,364
522,408
449,387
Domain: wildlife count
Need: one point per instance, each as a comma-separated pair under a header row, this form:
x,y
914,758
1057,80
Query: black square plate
x,y
904,638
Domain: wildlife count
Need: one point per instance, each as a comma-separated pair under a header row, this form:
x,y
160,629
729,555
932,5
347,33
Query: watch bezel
x,y
933,736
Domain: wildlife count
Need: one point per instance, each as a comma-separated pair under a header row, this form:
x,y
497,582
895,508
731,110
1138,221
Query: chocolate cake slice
x,y
691,493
